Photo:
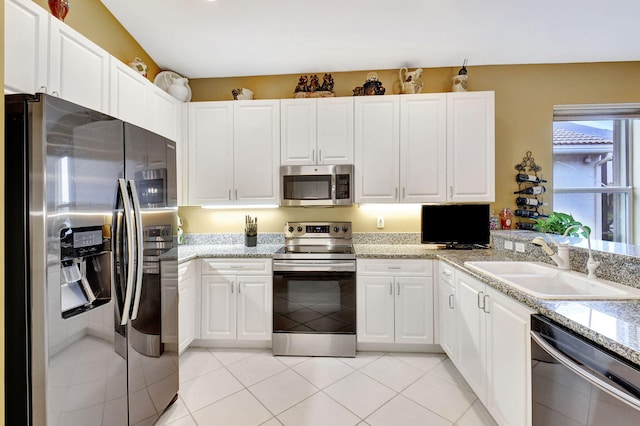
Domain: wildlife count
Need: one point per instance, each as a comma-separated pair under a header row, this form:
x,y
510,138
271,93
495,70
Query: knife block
x,y
250,240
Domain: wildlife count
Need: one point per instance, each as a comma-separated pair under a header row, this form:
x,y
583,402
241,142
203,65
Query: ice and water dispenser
x,y
85,262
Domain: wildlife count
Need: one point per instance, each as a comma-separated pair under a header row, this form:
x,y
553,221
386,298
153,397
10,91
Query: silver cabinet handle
x,y
232,284
239,287
446,273
395,193
451,301
236,195
313,155
588,376
229,195
481,300
485,305
404,192
390,289
319,156
398,285
394,267
451,191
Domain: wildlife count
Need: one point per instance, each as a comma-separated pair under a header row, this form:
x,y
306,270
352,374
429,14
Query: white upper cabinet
x,y
423,155
377,148
471,146
210,146
165,113
78,68
233,152
26,28
128,94
317,131
425,148
256,141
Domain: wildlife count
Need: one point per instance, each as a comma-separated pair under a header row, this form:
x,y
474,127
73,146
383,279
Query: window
x,y
593,167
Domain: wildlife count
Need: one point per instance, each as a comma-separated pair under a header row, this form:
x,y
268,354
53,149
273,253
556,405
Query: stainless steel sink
x,y
548,282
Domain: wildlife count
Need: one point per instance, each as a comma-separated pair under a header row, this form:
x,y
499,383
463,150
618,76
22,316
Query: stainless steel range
x,y
314,291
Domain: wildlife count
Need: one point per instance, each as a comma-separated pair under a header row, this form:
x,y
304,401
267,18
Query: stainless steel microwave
x,y
308,186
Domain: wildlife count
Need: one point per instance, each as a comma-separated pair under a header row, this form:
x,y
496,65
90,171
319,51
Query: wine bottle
x,y
530,214
525,225
463,70
534,190
523,201
521,177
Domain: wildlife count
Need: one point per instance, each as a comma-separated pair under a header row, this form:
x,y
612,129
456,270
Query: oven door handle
x,y
586,375
314,266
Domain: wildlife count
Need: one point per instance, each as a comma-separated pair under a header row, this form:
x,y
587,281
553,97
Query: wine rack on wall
x,y
530,193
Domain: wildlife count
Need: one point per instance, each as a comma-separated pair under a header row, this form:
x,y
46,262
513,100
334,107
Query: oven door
x,y
318,301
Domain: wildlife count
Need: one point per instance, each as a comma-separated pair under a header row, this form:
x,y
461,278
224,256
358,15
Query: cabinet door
x,y
165,116
218,307
470,146
414,310
335,130
471,332
447,318
375,309
298,131
423,143
128,94
187,304
79,69
377,148
26,28
210,130
508,360
256,151
255,314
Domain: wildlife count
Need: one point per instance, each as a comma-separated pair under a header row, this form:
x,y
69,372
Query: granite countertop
x,y
614,325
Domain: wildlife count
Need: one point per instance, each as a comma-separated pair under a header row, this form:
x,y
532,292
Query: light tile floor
x,y
250,387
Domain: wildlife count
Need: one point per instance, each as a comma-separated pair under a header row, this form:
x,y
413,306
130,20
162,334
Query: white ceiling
x,y
223,38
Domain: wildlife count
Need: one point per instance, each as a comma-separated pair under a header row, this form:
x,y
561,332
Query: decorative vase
x,y
178,89
459,83
59,8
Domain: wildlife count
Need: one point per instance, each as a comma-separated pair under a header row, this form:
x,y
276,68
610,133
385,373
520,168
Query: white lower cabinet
x,y
395,301
446,310
490,346
188,283
236,299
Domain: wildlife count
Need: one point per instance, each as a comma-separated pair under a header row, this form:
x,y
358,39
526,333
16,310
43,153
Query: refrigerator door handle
x,y
139,247
128,212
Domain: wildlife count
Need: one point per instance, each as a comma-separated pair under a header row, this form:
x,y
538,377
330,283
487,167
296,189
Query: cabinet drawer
x,y
446,273
169,269
395,267
234,266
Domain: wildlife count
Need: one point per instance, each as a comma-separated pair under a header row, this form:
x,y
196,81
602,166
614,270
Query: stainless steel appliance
x,y
314,291
74,267
326,185
575,381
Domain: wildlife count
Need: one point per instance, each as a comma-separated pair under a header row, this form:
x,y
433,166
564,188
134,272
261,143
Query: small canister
x,y
505,218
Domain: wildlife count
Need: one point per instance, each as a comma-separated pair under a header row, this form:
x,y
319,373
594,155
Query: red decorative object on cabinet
x,y
59,8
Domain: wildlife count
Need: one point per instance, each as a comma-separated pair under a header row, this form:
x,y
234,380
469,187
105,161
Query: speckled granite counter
x,y
614,325
188,252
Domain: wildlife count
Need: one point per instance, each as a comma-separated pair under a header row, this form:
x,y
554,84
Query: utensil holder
x,y
250,240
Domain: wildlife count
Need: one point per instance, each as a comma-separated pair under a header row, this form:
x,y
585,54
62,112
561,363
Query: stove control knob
x,y
336,229
345,228
299,228
290,229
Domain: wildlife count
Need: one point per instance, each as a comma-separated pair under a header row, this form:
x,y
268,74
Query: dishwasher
x,y
577,382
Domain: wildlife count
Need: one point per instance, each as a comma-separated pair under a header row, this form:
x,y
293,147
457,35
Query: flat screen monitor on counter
x,y
456,226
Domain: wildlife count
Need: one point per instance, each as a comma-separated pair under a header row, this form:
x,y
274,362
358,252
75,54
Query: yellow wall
x,y
94,21
525,95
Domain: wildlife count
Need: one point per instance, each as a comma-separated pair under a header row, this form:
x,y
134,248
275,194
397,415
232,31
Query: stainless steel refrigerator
x,y
87,198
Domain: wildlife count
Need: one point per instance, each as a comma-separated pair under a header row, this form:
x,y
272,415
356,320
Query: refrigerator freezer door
x,y
153,365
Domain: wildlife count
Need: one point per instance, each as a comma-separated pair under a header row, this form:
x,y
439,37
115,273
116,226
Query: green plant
x,y
557,223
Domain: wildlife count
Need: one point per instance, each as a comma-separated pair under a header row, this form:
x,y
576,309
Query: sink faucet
x,y
592,265
561,257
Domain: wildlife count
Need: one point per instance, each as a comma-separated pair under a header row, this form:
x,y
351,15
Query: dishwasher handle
x,y
601,384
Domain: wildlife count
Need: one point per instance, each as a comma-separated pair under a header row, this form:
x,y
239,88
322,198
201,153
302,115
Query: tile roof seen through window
x,y
570,133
